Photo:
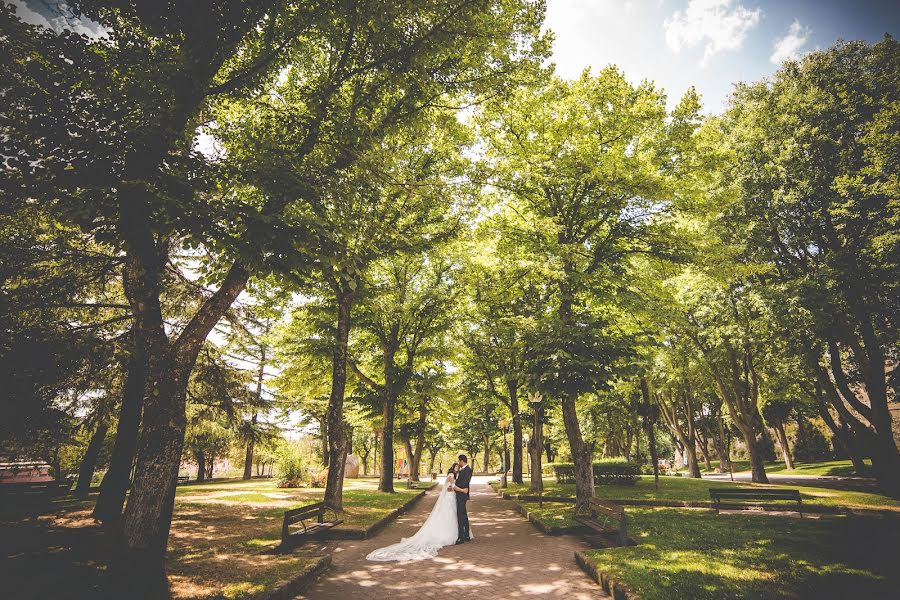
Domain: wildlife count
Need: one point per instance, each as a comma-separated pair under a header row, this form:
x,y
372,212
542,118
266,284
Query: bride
x,y
439,530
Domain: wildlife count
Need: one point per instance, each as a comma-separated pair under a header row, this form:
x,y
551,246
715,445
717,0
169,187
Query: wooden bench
x,y
184,478
412,485
32,497
743,494
312,519
606,517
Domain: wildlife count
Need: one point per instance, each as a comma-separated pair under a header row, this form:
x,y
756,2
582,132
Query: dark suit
x,y
462,517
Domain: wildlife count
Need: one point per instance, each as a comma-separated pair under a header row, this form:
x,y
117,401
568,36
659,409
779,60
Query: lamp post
x,y
504,426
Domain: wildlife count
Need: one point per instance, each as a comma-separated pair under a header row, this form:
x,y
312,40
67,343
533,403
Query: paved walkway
x,y
508,559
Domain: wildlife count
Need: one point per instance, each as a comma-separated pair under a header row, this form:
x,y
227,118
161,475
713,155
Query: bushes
x,y
289,462
615,471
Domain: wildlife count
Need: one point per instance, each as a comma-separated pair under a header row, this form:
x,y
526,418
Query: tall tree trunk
x,y
703,444
89,461
115,482
535,448
719,443
781,436
386,480
844,437
248,455
323,428
581,456
548,448
513,389
337,446
650,428
200,459
581,452
415,460
148,514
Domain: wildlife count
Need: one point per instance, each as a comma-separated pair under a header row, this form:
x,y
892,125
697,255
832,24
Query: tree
x,y
815,194
404,314
585,167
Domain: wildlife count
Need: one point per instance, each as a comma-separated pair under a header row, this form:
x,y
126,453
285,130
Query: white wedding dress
x,y
439,530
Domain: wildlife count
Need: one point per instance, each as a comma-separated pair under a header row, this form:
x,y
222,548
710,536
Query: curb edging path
x,y
508,559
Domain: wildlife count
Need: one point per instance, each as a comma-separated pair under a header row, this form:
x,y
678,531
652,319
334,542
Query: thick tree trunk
x,y
148,514
115,482
486,442
513,389
535,449
386,480
781,436
581,456
650,428
844,437
89,461
719,443
248,455
323,428
757,460
337,446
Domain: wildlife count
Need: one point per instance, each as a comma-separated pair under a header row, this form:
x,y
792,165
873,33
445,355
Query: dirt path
x,y
508,559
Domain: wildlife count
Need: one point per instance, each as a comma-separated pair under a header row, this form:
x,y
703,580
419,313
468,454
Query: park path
x,y
509,558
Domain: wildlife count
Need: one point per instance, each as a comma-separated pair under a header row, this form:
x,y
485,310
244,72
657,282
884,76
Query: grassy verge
x,y
223,533
832,468
692,554
692,490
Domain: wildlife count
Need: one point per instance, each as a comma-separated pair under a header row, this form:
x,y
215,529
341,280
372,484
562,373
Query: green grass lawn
x,y
687,489
834,468
223,532
686,553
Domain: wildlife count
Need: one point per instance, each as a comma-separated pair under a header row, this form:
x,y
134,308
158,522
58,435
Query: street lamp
x,y
504,426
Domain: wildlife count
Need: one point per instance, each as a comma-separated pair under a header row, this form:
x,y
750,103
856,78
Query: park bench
x,y
412,485
312,520
184,478
743,494
32,496
606,517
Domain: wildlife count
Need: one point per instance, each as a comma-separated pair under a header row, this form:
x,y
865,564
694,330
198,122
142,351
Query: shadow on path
x,y
508,559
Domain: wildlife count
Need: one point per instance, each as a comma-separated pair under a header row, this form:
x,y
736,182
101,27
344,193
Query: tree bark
x,y
337,447
535,447
513,389
651,430
386,480
581,456
115,482
89,461
781,436
248,455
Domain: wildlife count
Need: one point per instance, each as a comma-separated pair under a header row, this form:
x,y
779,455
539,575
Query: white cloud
x,y
789,47
716,24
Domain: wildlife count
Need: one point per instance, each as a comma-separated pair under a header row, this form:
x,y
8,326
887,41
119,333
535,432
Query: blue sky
x,y
706,43
676,43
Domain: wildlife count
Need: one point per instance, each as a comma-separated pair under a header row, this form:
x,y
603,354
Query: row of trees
x,y
567,252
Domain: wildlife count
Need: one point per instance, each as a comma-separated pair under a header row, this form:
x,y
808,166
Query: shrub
x,y
607,471
291,472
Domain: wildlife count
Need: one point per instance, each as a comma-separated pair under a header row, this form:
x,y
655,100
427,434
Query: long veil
x,y
439,530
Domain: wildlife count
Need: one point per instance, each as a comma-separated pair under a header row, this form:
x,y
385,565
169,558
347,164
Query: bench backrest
x,y
607,509
34,487
755,493
297,514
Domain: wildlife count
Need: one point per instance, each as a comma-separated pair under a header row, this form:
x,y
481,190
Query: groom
x,y
461,487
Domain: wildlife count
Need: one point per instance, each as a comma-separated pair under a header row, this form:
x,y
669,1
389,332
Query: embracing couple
x,y
447,524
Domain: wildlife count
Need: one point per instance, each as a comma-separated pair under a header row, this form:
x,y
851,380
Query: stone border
x,y
293,586
807,509
616,589
336,533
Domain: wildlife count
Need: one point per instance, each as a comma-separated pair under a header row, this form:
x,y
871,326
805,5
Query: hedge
x,y
605,472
